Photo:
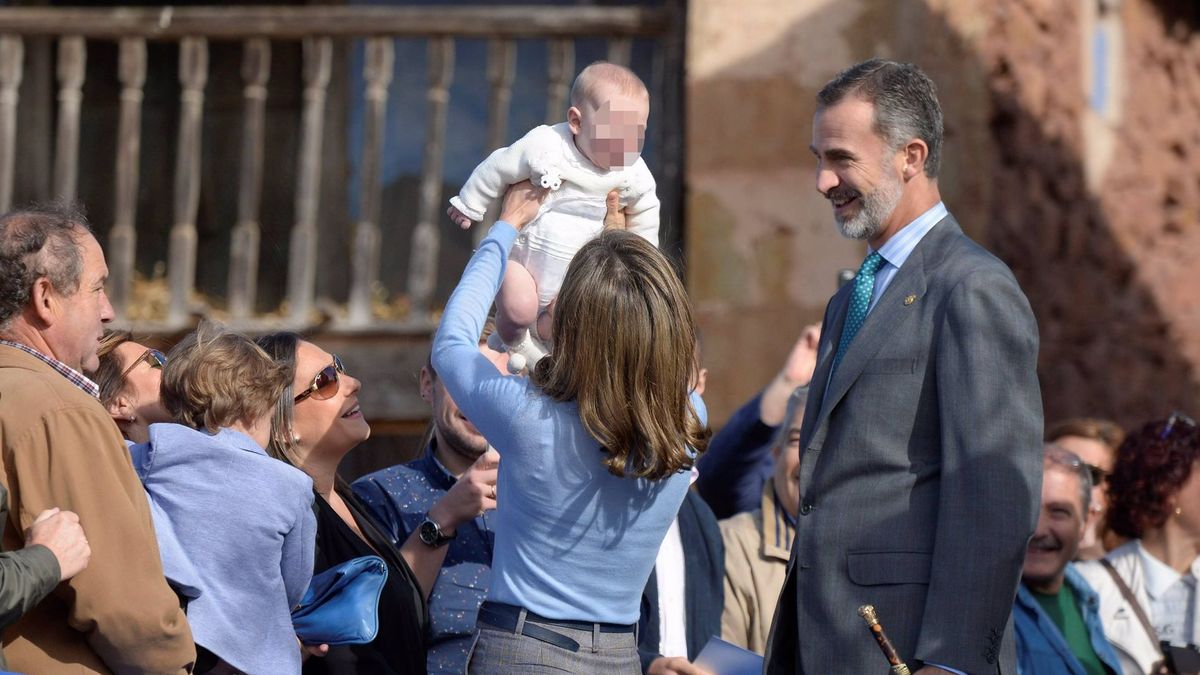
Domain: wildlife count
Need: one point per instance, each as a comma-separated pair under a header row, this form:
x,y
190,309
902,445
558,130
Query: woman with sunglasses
x,y
316,423
597,445
129,376
1147,586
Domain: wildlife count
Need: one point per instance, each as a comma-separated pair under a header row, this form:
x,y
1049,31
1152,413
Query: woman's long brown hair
x,y
625,352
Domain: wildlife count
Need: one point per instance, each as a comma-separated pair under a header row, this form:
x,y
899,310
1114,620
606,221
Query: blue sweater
x,y
245,523
572,540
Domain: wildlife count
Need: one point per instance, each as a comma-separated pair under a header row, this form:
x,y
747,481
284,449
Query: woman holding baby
x,y
597,444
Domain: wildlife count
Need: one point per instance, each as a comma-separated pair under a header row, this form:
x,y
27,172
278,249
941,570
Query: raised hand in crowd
x,y
61,532
797,371
473,493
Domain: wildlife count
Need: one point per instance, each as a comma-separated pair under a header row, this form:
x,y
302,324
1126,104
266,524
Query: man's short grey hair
x,y
905,100
795,406
39,242
1060,458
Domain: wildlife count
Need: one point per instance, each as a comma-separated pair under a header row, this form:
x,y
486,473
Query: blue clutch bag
x,y
341,605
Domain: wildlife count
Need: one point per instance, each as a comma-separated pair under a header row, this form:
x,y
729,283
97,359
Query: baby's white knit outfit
x,y
573,212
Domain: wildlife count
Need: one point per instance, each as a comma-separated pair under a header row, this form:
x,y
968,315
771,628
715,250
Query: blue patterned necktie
x,y
860,301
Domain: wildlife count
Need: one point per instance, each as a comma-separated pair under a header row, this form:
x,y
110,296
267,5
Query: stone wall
x,y
1108,261
1074,158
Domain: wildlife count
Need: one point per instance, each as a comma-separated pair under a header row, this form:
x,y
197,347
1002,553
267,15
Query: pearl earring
x,y
133,418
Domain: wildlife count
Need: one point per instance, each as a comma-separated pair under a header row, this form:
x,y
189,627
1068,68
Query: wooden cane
x,y
867,612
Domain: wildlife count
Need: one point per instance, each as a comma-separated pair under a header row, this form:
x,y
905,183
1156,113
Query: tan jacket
x,y
58,447
756,556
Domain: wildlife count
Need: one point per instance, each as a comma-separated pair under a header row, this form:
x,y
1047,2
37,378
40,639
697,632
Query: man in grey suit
x,y
921,453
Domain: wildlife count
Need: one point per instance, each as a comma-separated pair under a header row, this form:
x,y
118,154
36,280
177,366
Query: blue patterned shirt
x,y
399,497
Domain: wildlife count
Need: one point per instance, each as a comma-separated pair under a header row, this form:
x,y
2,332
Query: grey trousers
x,y
498,652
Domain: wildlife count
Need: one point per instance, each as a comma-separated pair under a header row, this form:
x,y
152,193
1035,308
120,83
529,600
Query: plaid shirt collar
x,y
74,376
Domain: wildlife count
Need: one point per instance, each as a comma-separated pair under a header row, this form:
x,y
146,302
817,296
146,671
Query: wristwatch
x,y
432,534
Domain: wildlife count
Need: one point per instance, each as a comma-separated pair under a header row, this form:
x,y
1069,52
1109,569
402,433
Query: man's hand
x,y
459,217
797,371
674,665
60,532
521,203
932,670
471,495
614,216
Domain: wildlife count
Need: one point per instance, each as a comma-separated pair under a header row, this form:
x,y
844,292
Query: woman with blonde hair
x,y
597,447
244,519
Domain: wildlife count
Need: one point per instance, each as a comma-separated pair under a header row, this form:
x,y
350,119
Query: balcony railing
x,y
193,29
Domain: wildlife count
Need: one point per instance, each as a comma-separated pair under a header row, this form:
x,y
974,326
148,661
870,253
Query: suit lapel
x,y
825,351
889,313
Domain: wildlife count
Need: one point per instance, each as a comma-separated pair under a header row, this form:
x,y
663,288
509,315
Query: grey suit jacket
x,y
920,472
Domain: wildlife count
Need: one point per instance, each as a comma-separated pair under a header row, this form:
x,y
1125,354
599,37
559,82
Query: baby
x,y
597,150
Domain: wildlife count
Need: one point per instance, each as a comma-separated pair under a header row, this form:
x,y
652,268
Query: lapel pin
x,y
909,299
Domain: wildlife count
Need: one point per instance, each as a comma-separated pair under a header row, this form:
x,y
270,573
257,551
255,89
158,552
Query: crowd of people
x,y
165,513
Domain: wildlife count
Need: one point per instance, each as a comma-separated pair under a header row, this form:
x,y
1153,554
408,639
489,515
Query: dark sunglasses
x,y
325,384
1099,476
153,357
1176,418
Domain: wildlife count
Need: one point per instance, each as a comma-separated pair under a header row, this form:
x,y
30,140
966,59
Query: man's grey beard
x,y
875,209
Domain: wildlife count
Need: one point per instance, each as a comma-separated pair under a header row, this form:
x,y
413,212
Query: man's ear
x,y
915,154
426,384
574,119
44,301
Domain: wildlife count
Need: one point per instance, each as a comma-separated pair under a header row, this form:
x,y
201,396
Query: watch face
x,y
429,533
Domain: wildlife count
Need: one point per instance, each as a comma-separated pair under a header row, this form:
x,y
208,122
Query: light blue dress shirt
x,y
895,251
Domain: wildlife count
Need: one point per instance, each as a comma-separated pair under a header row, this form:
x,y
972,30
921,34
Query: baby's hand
x,y
457,216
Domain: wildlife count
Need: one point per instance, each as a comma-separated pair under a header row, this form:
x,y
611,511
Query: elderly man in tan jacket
x,y
758,543
59,448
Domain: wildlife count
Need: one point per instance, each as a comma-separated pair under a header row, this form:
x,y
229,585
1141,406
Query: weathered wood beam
x,y
12,57
122,239
243,246
174,23
181,266
302,254
560,66
72,64
364,264
501,69
426,238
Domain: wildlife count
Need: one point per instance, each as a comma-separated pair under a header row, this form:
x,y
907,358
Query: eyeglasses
x,y
152,357
325,384
1176,418
1099,476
